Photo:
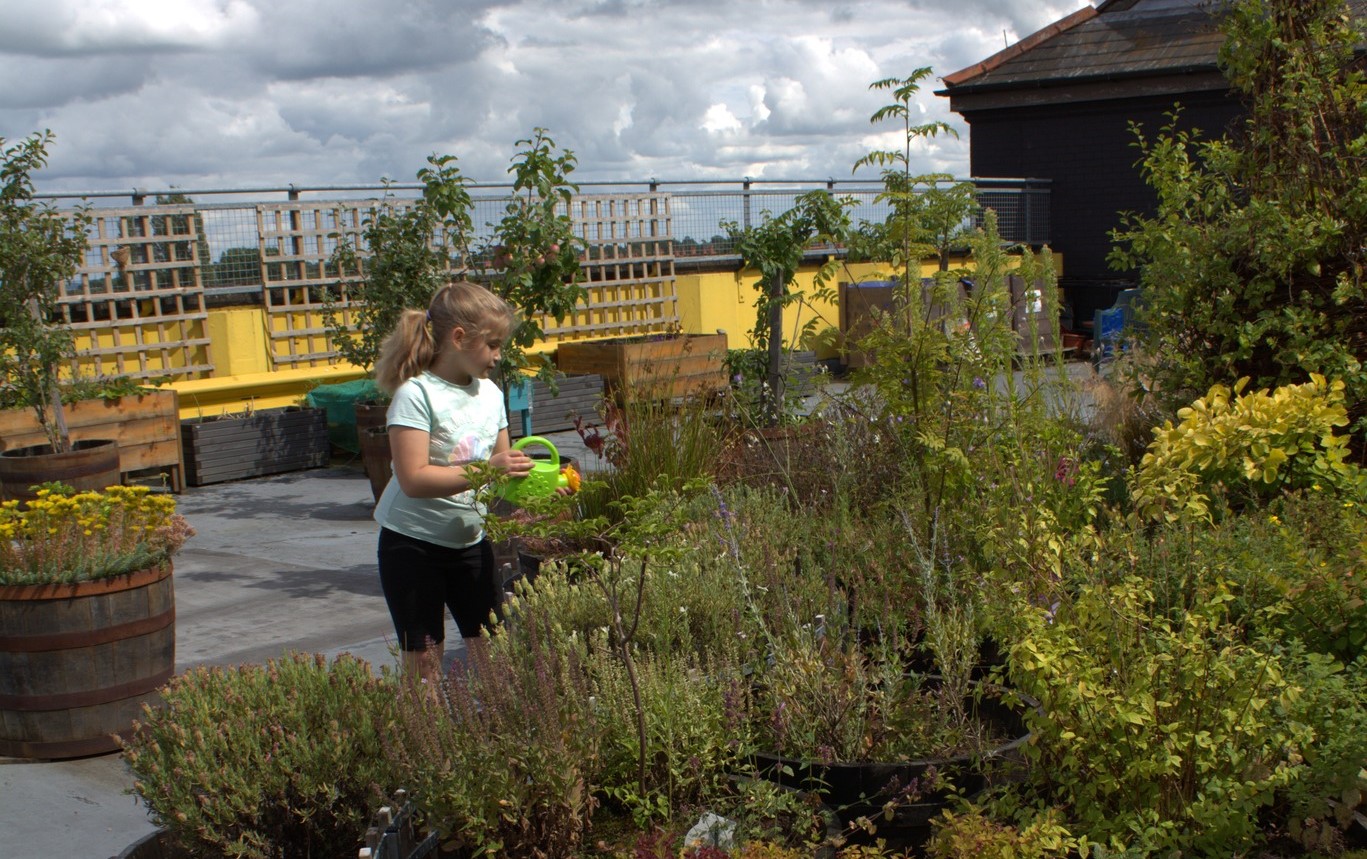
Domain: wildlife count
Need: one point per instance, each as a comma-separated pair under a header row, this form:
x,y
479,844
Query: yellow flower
x,y
572,478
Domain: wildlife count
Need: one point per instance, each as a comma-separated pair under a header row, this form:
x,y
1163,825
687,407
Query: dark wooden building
x,y
1058,105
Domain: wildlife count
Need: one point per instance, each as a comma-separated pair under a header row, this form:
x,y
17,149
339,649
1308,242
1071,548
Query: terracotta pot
x,y
373,435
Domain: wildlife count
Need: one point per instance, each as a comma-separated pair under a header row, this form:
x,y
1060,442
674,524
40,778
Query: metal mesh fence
x,y
240,262
152,271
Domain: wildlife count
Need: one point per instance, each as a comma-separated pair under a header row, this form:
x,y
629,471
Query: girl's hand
x,y
513,463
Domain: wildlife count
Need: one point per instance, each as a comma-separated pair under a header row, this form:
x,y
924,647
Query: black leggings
x,y
420,579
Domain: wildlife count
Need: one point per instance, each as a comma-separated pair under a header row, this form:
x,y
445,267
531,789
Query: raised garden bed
x,y
146,426
266,442
652,367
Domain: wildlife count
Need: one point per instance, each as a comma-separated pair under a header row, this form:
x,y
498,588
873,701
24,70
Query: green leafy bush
x,y
973,834
694,717
266,762
1165,731
1251,262
499,760
1247,447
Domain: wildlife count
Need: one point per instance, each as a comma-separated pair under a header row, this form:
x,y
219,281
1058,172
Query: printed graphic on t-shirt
x,y
469,449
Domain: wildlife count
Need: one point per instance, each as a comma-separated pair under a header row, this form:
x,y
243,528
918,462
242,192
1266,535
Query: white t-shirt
x,y
463,422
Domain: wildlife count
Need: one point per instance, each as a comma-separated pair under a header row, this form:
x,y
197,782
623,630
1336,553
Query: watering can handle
x,y
536,439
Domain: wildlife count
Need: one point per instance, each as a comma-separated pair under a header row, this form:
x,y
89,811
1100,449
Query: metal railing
x,y
230,223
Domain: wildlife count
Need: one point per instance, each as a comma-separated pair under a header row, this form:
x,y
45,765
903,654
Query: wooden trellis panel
x,y
628,270
628,267
296,241
139,297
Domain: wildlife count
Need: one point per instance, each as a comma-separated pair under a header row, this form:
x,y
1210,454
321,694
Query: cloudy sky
x,y
202,94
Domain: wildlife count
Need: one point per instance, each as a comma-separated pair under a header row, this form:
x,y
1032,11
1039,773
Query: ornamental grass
x,y
63,536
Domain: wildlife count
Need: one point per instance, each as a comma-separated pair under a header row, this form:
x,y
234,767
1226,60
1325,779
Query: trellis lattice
x,y
138,296
628,267
296,242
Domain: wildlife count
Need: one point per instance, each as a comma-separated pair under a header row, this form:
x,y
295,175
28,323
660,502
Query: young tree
x,y
930,212
1253,263
776,248
40,250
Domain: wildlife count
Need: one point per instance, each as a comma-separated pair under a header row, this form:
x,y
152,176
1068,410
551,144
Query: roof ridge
x,y
1084,14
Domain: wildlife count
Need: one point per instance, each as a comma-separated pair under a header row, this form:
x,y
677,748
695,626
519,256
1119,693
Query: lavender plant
x,y
265,762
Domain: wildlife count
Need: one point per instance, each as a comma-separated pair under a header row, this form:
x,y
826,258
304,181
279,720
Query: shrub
x,y
499,762
265,762
971,834
1165,730
1249,447
694,717
1328,795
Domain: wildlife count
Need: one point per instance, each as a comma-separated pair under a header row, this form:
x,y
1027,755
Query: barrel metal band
x,y
72,700
88,637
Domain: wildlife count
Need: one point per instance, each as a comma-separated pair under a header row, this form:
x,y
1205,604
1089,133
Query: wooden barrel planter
x,y
372,433
77,661
89,465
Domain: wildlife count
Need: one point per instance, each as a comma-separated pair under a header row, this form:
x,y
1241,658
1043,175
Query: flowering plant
x,y
64,536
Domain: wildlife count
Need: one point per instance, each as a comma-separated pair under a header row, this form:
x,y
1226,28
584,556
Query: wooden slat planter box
x,y
579,395
801,372
651,367
146,426
267,442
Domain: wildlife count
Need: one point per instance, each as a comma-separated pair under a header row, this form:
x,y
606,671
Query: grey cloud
x,y
358,38
45,82
355,90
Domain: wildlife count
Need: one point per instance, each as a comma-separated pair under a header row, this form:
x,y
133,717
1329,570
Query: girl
x,y
446,414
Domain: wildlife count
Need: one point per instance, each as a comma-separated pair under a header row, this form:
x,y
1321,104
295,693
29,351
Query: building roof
x,y
1113,41
1119,38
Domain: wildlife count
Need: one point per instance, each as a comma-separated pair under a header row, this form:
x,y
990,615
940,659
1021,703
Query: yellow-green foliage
x,y
1246,445
971,834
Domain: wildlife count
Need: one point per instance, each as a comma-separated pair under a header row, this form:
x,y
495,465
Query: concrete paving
x,y
278,564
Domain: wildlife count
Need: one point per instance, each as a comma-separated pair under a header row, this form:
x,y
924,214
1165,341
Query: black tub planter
x,y
154,845
270,441
905,790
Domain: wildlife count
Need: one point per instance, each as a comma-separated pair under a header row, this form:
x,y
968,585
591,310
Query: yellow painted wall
x,y
237,340
725,300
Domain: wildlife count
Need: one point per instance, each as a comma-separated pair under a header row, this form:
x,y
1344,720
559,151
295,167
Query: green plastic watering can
x,y
544,479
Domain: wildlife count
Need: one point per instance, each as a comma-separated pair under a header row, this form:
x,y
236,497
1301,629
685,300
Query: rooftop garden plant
x,y
406,251
1262,217
40,250
776,248
64,536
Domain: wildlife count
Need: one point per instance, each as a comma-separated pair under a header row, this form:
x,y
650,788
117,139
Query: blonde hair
x,y
415,341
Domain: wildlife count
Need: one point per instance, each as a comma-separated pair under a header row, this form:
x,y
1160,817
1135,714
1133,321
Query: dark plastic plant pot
x,y
869,789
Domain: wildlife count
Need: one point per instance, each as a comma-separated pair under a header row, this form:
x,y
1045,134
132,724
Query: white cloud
x,y
242,93
75,27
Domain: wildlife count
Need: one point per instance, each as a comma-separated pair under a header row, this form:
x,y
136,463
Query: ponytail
x,y
406,352
412,346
